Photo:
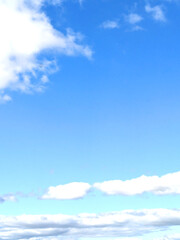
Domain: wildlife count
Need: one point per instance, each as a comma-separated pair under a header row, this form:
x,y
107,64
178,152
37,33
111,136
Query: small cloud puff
x,y
133,18
74,190
110,24
5,98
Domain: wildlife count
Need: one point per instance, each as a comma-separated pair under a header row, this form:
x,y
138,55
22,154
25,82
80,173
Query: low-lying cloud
x,y
128,223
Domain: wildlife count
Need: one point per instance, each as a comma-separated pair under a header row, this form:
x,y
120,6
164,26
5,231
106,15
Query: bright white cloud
x,y
128,223
25,33
72,190
167,184
157,12
133,18
110,24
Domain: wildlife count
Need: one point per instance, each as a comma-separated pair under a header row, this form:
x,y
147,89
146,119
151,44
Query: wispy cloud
x,y
110,24
128,223
73,190
4,98
25,32
157,12
80,2
137,28
167,184
7,197
133,18
175,236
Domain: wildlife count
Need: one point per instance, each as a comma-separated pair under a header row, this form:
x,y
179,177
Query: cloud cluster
x,y
73,190
164,185
156,12
26,32
128,223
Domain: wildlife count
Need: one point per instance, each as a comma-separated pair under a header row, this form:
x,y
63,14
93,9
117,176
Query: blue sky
x,y
89,120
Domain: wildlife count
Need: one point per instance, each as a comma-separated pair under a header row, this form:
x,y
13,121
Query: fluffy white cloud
x,y
133,18
128,223
157,12
167,184
25,33
72,190
110,24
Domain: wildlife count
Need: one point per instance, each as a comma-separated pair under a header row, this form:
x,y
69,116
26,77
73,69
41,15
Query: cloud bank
x,y
26,32
128,223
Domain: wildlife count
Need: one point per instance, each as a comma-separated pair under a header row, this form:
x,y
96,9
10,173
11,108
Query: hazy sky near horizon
x,y
89,120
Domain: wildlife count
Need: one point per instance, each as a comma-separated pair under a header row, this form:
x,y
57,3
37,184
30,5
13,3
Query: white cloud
x,y
133,18
128,223
72,190
157,12
25,33
167,184
110,24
